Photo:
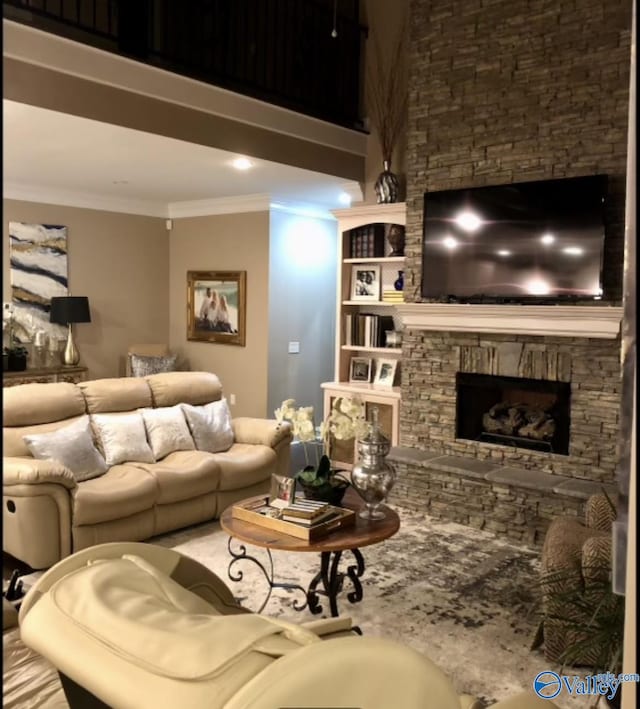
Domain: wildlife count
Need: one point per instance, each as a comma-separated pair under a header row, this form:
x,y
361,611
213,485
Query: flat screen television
x,y
530,241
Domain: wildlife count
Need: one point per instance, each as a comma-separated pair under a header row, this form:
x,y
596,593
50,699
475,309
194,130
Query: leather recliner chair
x,y
141,626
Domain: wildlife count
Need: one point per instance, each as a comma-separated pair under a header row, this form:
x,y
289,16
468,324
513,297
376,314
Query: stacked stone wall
x,y
504,91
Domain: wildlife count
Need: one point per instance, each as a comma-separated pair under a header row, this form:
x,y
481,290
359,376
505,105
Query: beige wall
x,y
121,262
230,242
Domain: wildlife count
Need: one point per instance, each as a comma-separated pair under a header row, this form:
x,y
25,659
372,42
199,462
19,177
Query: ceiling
x,y
50,152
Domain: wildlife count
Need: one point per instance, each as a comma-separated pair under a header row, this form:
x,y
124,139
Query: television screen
x,y
524,241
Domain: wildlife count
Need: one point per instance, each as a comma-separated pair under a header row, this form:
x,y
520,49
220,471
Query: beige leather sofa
x,y
47,514
137,626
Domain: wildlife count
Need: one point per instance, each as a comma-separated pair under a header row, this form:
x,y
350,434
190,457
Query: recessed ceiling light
x,y
547,238
242,163
573,251
504,252
450,243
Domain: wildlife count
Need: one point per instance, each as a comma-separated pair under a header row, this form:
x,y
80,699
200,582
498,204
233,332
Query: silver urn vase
x,y
387,185
372,477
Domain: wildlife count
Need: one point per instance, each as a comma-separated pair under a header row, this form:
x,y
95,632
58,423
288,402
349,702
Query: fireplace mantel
x,y
600,321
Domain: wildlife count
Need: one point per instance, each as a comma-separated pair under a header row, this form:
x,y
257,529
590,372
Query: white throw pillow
x,y
123,438
210,425
72,446
167,430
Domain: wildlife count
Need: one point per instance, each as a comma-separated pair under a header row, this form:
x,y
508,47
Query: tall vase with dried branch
x,y
387,102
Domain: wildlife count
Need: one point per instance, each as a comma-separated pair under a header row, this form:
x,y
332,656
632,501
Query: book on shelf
x,y
349,337
393,296
367,241
371,328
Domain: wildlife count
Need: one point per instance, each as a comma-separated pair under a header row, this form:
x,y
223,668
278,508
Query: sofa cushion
x,y
245,464
29,404
171,388
121,492
210,425
71,445
117,394
122,437
183,475
167,430
145,365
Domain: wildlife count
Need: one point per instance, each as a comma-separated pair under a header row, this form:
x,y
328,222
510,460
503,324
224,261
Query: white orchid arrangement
x,y
345,420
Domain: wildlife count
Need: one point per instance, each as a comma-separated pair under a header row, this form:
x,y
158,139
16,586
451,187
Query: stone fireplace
x,y
456,383
487,108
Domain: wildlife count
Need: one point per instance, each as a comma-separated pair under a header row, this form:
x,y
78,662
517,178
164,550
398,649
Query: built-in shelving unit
x,y
386,398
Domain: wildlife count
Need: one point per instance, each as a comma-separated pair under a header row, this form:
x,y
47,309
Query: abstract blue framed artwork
x,y
38,261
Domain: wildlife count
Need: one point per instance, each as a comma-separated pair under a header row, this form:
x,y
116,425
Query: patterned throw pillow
x,y
142,366
72,446
167,430
210,425
123,438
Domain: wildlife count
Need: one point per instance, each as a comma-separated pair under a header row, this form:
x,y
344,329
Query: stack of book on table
x,y
305,519
307,512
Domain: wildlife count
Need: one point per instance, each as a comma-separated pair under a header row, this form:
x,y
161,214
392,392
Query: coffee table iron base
x,y
333,581
330,576
241,555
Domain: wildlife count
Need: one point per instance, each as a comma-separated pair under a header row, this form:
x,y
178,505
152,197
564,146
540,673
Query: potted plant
x,y
319,480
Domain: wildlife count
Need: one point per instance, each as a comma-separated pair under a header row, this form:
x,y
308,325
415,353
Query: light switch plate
x,y
294,347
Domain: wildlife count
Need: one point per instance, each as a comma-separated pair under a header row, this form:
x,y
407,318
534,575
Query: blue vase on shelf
x,y
398,284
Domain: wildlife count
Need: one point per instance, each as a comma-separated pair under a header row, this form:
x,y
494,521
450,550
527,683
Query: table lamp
x,y
66,310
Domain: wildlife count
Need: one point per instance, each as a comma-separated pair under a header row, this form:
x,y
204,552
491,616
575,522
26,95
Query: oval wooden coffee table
x,y
331,548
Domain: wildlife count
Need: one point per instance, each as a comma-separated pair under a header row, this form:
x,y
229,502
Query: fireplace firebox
x,y
513,411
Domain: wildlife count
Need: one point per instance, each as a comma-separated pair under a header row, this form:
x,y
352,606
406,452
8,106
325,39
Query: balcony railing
x,y
279,51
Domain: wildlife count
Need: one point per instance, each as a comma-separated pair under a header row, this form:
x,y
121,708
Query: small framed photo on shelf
x,y
385,372
360,369
365,282
283,491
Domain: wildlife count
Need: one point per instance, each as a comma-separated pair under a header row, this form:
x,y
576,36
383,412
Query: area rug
x,y
464,598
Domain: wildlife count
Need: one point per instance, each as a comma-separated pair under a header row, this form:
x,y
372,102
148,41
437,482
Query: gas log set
x,y
522,420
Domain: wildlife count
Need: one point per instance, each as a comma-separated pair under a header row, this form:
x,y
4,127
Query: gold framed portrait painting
x,y
216,306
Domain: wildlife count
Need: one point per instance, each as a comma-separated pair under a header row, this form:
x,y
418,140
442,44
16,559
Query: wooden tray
x,y
346,518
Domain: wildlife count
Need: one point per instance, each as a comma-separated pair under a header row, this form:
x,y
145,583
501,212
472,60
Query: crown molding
x,y
85,200
219,205
171,210
302,209
595,321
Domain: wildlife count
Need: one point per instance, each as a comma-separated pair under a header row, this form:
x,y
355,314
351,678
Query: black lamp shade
x,y
70,309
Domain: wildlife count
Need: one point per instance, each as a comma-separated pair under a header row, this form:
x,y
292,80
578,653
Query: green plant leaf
x,y
324,469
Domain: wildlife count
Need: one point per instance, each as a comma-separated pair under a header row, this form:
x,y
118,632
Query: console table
x,y
44,375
